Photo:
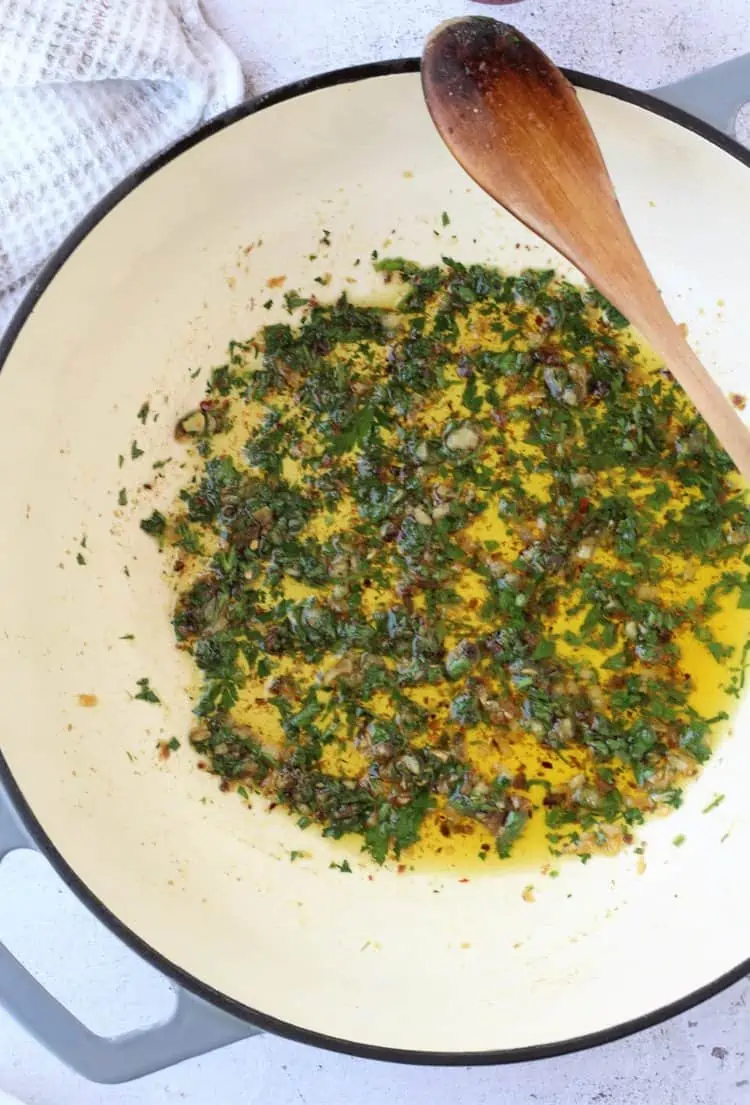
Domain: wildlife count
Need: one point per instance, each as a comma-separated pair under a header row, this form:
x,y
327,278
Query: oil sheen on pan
x,y
463,577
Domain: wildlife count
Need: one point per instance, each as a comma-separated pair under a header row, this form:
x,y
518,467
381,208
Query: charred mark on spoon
x,y
471,58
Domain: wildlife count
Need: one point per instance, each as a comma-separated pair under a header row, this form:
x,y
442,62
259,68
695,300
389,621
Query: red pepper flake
x,y
583,506
275,281
739,401
463,880
401,868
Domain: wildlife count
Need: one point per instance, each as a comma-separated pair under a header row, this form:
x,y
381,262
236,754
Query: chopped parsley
x,y
155,525
146,692
449,579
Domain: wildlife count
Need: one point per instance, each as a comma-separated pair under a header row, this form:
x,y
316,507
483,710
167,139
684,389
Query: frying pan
x,y
420,967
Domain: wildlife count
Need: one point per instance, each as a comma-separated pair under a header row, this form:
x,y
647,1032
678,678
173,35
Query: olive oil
x,y
471,586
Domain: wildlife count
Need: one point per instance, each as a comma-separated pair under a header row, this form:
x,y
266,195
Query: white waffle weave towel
x,y
89,89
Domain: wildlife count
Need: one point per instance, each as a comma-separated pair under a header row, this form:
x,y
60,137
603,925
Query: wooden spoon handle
x,y
666,339
623,276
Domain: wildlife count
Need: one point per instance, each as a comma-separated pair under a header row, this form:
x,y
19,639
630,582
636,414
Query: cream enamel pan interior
x,y
423,966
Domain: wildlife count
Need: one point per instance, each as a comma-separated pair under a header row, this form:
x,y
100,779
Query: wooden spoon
x,y
514,122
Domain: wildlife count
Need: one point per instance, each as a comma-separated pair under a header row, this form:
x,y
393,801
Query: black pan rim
x,y
253,1017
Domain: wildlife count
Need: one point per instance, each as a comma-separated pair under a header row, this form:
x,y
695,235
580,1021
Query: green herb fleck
x,y
155,525
145,692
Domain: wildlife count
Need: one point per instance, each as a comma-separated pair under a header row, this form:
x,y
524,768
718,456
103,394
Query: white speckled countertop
x,y
701,1058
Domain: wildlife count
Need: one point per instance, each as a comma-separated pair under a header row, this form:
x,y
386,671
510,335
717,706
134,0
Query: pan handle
x,y
715,96
194,1028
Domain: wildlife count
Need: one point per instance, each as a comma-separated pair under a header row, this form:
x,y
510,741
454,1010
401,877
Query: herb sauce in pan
x,y
464,576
